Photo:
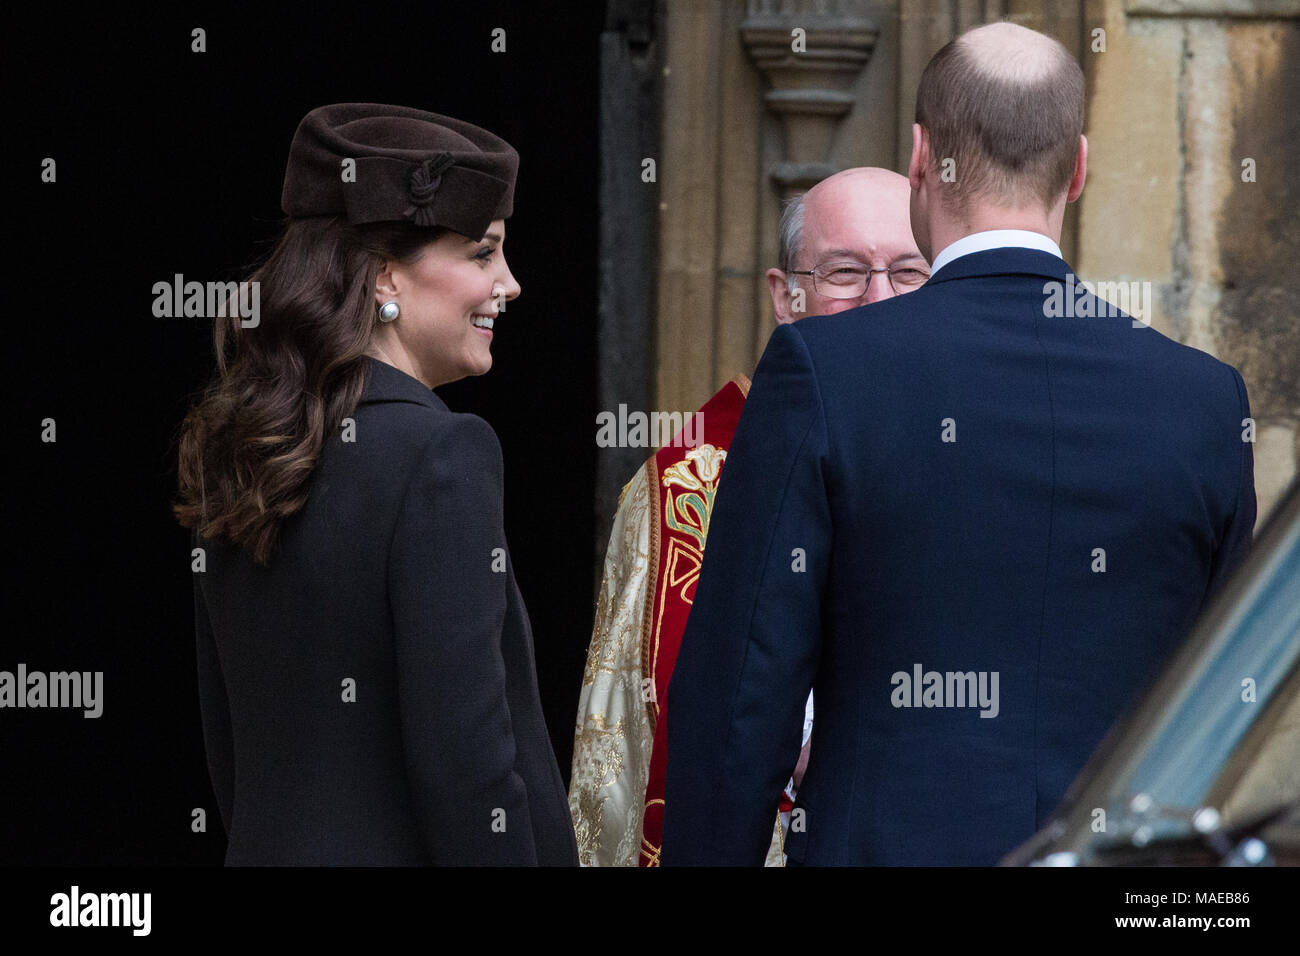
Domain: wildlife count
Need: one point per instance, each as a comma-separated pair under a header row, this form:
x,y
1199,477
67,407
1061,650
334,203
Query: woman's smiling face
x,y
449,299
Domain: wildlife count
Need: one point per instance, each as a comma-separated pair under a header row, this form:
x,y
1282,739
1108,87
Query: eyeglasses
x,y
847,279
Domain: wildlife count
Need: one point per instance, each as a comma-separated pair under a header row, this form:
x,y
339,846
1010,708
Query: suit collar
x,y
987,239
386,383
1009,260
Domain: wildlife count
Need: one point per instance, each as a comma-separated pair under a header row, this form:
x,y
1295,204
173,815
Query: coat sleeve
x,y
1240,529
736,699
215,709
447,592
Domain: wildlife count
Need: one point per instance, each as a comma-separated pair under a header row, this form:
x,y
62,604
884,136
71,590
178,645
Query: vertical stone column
x,y
704,152
630,72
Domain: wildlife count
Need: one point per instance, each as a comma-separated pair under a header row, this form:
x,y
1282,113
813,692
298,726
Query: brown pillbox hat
x,y
413,166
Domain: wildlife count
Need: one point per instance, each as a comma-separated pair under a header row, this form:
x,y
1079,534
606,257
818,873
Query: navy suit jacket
x,y
851,544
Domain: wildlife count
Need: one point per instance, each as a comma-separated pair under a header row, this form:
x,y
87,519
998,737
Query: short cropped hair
x,y
790,233
1011,140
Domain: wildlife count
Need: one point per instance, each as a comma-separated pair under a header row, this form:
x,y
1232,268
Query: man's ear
x,y
385,284
780,291
1080,170
920,163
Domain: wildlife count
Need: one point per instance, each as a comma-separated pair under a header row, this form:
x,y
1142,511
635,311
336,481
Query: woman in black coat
x,y
366,672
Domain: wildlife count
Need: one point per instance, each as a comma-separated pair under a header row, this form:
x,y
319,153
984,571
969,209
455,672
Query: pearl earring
x,y
388,311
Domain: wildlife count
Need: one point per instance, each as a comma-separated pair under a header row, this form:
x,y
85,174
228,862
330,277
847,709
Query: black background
x,y
171,161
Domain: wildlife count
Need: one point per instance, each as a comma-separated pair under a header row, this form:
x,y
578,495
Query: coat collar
x,y
388,384
1009,260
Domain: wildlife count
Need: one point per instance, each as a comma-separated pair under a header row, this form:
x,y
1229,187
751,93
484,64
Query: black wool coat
x,y
370,697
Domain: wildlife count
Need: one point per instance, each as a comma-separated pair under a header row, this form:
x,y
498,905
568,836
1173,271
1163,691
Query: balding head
x,y
1015,54
1005,105
858,214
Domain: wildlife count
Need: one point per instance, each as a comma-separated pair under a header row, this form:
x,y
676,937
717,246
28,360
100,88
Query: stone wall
x,y
1182,96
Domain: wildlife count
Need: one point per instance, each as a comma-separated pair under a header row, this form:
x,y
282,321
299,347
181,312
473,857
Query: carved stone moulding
x,y
811,75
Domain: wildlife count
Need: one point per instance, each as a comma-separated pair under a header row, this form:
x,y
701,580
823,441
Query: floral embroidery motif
x,y
688,512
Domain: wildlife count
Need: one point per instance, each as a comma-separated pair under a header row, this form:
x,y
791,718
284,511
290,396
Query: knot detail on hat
x,y
425,180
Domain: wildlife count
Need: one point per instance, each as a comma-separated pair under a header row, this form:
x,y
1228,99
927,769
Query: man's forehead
x,y
858,222
862,240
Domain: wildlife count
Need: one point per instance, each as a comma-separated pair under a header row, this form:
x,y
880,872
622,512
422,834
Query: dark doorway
x,y
170,161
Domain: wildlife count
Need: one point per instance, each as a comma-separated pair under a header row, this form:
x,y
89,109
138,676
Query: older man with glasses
x,y
852,233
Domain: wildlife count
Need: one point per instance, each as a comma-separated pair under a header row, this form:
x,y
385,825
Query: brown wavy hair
x,y
250,443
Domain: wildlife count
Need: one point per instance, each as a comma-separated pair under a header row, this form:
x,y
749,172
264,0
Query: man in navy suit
x,y
975,522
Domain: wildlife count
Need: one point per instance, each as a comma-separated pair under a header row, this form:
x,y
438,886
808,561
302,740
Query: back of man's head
x,y
1005,105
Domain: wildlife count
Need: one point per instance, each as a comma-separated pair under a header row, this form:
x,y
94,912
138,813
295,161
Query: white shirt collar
x,y
994,239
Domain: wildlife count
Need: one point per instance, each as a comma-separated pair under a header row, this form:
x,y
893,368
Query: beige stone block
x,y
1257,318
1275,464
687,173
1127,213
